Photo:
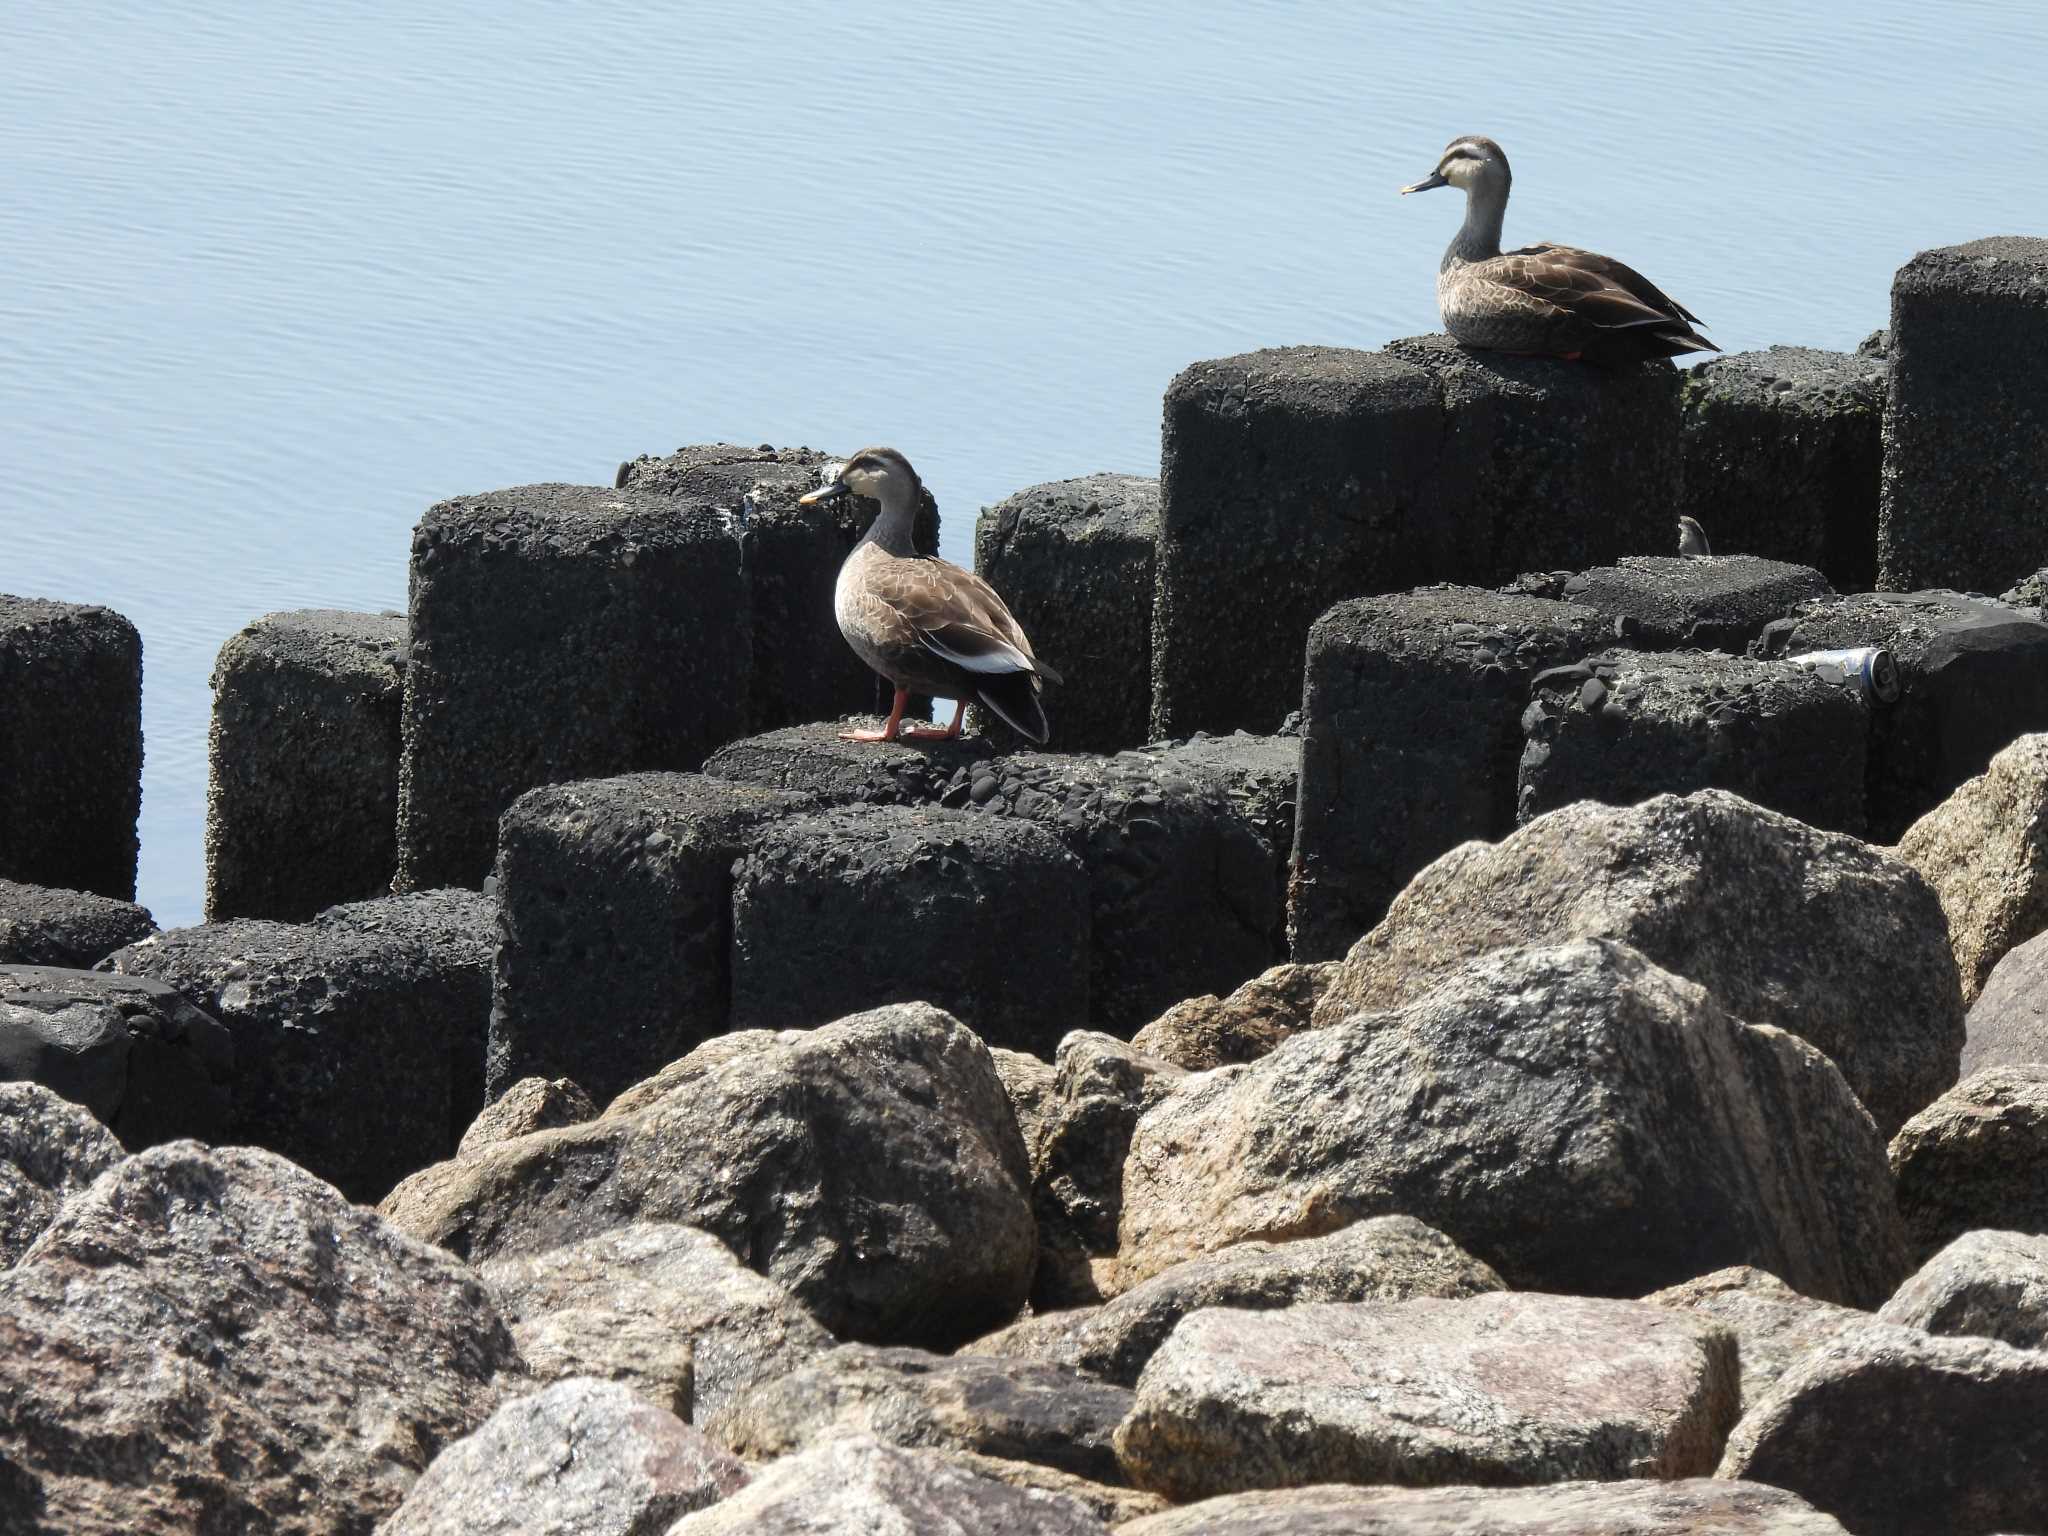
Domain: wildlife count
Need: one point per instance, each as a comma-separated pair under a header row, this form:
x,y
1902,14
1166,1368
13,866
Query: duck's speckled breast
x,y
1496,317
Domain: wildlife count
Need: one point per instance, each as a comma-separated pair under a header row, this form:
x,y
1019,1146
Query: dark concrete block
x,y
1631,724
359,1037
1782,451
70,746
615,927
842,910
302,764
1973,674
1182,887
559,632
1662,602
1411,737
41,926
1261,778
802,668
149,1065
1965,498
1074,562
1295,478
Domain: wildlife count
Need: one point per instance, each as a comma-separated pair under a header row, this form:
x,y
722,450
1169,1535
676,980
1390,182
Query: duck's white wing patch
x,y
969,646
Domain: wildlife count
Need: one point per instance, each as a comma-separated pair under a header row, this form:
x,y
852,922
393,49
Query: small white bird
x,y
1692,538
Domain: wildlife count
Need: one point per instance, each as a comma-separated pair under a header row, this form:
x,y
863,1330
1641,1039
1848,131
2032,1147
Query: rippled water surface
x,y
275,278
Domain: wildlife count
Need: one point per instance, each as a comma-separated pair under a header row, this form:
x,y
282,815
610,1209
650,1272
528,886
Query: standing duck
x,y
1549,300
923,622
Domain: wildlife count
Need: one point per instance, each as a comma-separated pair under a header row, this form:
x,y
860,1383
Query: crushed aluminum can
x,y
1869,669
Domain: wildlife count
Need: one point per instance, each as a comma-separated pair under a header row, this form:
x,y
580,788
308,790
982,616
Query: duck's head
x,y
881,474
1470,163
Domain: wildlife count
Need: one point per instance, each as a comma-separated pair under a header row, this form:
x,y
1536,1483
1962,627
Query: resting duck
x,y
922,622
1549,300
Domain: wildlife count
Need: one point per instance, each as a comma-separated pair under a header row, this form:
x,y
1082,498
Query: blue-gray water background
x,y
274,278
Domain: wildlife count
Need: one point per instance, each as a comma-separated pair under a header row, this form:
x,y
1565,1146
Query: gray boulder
x,y
149,1065
1812,931
50,1149
1015,1410
664,1308
1385,1258
582,1458
217,1341
2008,1024
1896,1432
1773,1324
1030,1084
1973,1158
1199,1033
872,1167
1992,1285
857,1483
70,929
1576,1117
1510,1388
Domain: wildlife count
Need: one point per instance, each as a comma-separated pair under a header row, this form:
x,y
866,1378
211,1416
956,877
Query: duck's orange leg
x,y
888,731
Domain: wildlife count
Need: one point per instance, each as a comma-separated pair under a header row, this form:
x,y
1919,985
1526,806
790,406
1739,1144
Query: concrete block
x,y
70,746
1663,602
559,632
302,764
74,929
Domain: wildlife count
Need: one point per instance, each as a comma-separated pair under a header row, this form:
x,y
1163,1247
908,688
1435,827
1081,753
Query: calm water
x,y
275,278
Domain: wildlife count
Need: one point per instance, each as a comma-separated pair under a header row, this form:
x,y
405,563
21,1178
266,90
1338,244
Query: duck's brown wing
x,y
1606,292
956,615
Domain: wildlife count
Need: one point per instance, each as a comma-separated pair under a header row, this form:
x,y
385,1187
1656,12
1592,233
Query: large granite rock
x,y
358,1037
1385,1258
2008,1024
872,1167
529,1105
302,764
1991,1285
559,632
1073,560
1017,1410
1503,1388
1811,931
70,746
582,1458
615,925
149,1065
666,1309
72,929
1693,1506
50,1149
1576,1117
1774,1326
1782,449
1199,1033
858,1483
1973,1158
1985,852
217,1341
1412,708
1896,1432
1965,440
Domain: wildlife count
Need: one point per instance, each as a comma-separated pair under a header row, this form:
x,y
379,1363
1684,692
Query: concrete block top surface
x,y
812,759
1108,507
1312,380
1473,625
40,925
1717,600
1999,266
1920,629
654,810
760,486
847,837
363,650
1685,685
1464,370
388,941
32,625
565,521
1804,380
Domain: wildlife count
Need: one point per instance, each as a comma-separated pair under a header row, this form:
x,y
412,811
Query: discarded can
x,y
1869,669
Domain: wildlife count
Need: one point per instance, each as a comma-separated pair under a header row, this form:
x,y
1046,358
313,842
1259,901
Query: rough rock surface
x,y
1014,1409
1385,1258
1694,1506
1508,1388
76,929
1720,603
50,1149
857,1483
2008,1024
1973,1158
1985,852
149,1065
581,1458
217,1341
1773,1324
1029,1082
1211,1031
1811,931
871,1166
1992,1285
662,1307
531,1104
1896,1432
1576,1117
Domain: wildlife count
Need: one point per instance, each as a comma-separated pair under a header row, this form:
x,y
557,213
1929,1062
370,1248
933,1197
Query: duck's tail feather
x,y
1013,696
